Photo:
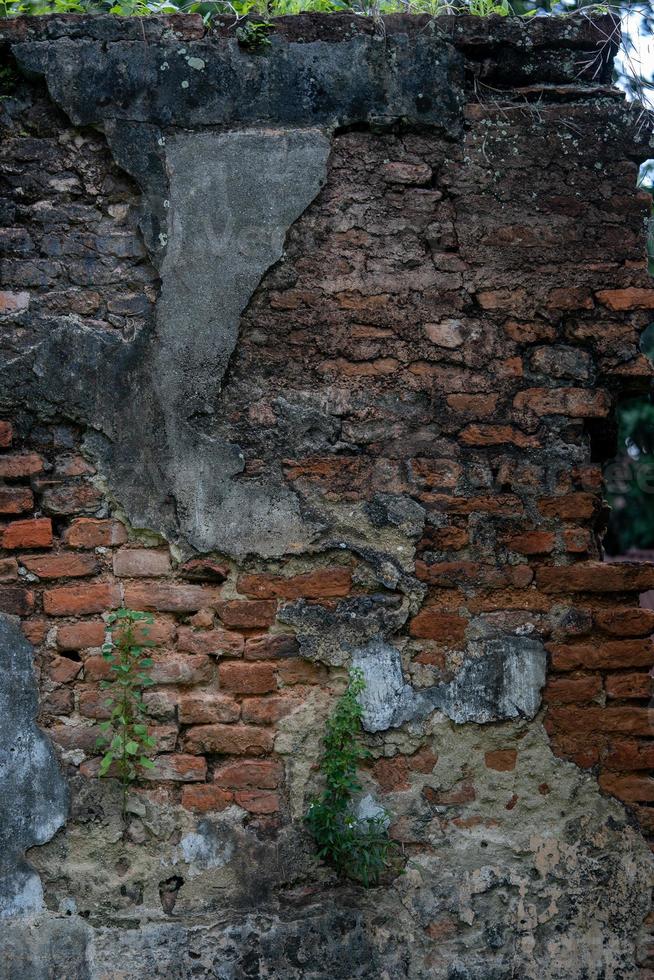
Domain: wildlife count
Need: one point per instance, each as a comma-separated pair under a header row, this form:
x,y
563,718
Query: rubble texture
x,y
313,351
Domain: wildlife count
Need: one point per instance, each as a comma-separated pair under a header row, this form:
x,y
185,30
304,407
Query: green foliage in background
x,y
124,737
358,848
629,480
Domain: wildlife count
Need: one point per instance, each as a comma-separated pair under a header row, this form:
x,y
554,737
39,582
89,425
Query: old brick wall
x,y
420,394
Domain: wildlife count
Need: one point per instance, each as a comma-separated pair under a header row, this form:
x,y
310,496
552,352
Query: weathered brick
x,y
186,670
258,802
628,686
596,577
569,690
397,172
625,622
479,434
630,788
82,599
207,708
86,532
464,792
35,533
625,720
271,646
249,774
501,760
267,711
205,798
446,333
323,583
246,613
15,500
629,754
6,434
532,542
80,636
177,768
20,464
80,498
177,597
570,507
574,402
204,570
602,656
61,670
217,643
228,740
11,302
8,569
630,298
16,601
141,562
248,678
60,566
301,672
432,624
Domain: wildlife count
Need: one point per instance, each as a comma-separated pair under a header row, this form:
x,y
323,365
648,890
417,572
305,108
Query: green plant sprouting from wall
x,y
357,847
125,736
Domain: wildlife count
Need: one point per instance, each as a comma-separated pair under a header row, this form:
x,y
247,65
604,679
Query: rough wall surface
x,y
313,352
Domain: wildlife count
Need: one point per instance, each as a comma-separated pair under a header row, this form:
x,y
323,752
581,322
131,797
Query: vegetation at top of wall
x,y
357,847
125,736
211,9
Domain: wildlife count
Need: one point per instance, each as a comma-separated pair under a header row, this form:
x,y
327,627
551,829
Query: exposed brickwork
x,y
459,319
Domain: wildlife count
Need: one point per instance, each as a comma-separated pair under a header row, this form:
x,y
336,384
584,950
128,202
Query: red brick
x,y
174,597
15,500
624,720
204,570
570,298
96,668
532,542
203,798
446,538
217,643
82,599
79,636
20,464
258,802
247,614
207,708
626,686
275,646
570,507
228,740
392,774
16,601
6,434
630,788
86,532
249,774
597,577
629,754
569,690
323,583
301,672
506,300
203,619
60,566
35,533
177,768
440,474
267,711
61,670
631,298
573,402
497,435
577,540
35,630
8,569
501,760
141,562
93,703
174,669
248,678
72,498
625,622
473,406
431,624
602,656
